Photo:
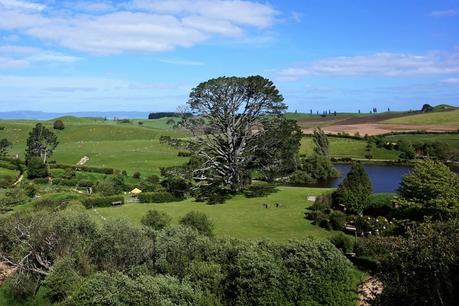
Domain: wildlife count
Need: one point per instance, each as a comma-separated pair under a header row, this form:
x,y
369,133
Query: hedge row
x,y
157,197
101,201
73,182
84,168
7,165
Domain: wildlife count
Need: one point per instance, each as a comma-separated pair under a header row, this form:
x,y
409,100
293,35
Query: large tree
x,y
277,147
227,111
41,143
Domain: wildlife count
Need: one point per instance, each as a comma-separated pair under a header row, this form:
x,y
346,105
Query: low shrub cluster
x,y
98,201
84,168
157,197
255,191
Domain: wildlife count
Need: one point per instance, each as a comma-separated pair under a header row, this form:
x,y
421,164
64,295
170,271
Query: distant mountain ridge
x,y
36,115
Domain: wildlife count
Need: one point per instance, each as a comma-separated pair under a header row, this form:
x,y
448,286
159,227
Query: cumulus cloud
x,y
444,13
380,64
22,5
138,25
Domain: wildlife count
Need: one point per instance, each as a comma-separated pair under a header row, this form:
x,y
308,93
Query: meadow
x,y
240,217
444,117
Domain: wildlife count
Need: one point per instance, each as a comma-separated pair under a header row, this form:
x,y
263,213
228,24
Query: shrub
x,y
36,168
156,219
62,280
176,186
343,242
136,175
300,177
58,125
198,221
156,197
118,245
85,183
184,154
337,219
6,181
105,188
69,173
42,181
101,201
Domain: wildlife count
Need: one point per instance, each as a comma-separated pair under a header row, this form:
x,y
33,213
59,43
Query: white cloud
x,y
444,13
23,56
22,5
142,26
382,64
235,11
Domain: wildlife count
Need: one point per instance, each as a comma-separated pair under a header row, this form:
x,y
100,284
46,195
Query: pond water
x,y
384,178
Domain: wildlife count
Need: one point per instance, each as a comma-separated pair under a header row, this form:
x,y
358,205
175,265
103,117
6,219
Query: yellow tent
x,y
136,191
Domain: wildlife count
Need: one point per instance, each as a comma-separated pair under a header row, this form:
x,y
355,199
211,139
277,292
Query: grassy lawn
x,y
451,139
241,217
445,117
345,147
8,172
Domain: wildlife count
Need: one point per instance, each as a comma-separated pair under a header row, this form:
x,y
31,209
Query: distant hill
x,y
35,115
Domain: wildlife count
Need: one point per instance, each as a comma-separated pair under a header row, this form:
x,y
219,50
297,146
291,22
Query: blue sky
x,y
146,55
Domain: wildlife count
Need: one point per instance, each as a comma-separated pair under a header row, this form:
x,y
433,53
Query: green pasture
x,y
240,217
451,139
346,147
441,117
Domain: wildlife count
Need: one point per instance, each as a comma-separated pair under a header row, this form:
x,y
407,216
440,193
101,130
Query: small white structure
x,y
135,191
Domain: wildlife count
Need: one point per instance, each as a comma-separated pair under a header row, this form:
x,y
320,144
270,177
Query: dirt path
x,y
369,290
381,128
19,180
82,161
5,271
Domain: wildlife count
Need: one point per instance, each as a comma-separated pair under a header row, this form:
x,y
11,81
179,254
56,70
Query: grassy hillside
x,y
451,139
444,117
344,147
122,146
241,217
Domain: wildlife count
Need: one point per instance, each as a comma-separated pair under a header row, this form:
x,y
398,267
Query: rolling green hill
x,y
443,117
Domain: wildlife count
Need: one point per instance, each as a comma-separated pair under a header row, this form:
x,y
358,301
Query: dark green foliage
x,y
355,190
41,143
150,184
6,181
277,147
91,202
84,168
157,197
12,197
176,247
156,219
301,177
5,145
406,149
321,144
30,190
254,191
199,222
105,188
432,185
58,125
337,219
343,242
136,175
427,108
318,167
119,245
423,268
69,174
62,280
36,168
204,276
229,108
176,186
119,289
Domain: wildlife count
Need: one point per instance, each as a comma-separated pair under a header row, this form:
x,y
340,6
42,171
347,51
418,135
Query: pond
x,y
384,178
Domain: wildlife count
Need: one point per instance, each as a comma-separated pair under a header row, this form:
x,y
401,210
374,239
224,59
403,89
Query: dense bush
x,y
176,186
58,125
36,168
120,246
343,242
105,187
119,289
199,222
156,219
337,219
62,280
90,202
84,168
6,181
301,177
136,175
156,197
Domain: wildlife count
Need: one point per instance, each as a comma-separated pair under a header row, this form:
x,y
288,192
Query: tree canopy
x,y
227,111
41,143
